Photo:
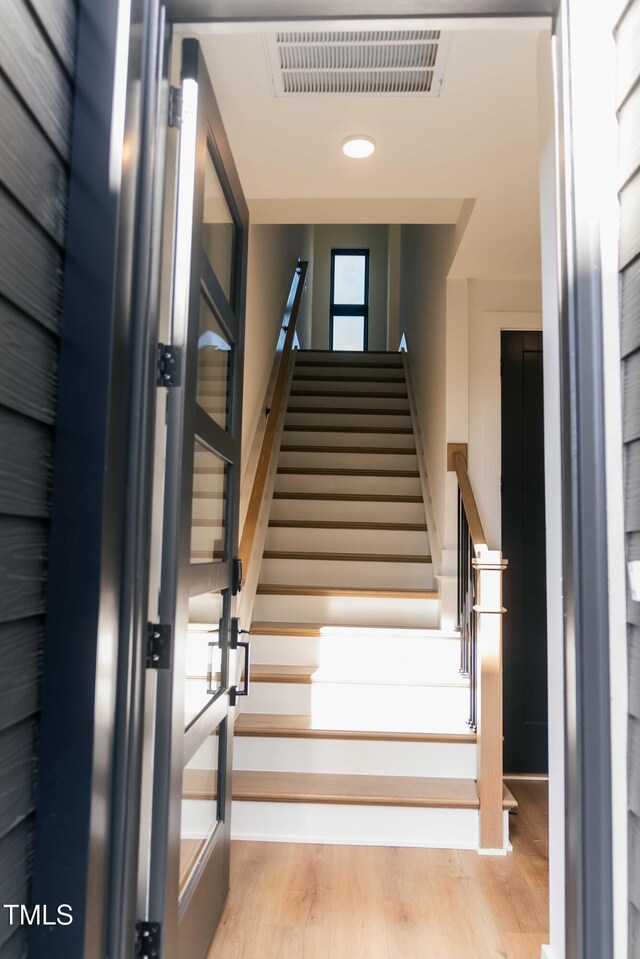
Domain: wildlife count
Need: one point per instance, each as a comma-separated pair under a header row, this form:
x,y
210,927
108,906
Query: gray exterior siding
x,y
628,85
37,43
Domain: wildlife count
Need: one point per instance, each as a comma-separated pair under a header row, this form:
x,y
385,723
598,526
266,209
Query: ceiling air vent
x,y
358,63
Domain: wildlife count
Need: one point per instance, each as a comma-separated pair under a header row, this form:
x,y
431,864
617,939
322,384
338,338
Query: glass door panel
x,y
218,229
201,810
203,656
349,279
348,332
214,366
209,506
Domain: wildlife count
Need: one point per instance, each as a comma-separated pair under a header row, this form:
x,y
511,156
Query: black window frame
x,y
338,309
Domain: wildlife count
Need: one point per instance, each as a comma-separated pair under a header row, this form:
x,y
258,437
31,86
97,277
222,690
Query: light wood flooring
x,y
290,901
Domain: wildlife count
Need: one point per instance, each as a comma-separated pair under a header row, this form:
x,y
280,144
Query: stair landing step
x,y
292,726
314,428
281,589
347,497
268,628
326,378
251,786
335,471
369,450
348,557
309,674
342,410
343,524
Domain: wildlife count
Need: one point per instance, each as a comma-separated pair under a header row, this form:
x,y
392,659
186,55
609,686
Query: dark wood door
x,y
523,544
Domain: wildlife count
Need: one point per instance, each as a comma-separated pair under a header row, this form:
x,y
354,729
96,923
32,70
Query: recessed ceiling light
x,y
358,147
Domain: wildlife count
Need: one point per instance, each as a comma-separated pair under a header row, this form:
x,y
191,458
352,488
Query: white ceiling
x,y
477,140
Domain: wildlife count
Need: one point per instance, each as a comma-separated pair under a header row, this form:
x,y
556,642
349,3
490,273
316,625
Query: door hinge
x,y
148,939
159,640
168,366
175,106
236,577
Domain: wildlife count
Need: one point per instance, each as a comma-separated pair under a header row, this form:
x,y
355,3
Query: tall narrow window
x,y
349,305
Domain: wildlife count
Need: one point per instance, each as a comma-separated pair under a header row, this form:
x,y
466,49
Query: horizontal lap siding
x,y
628,91
37,44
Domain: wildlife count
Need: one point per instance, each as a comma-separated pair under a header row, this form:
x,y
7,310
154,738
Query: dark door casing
x,y
523,543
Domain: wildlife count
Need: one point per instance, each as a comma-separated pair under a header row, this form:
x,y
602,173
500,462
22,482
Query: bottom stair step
x,y
342,809
292,787
354,790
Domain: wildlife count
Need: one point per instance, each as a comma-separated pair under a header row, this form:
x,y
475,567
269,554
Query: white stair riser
x,y
317,483
348,358
392,658
299,572
344,386
356,511
352,461
348,610
355,825
411,542
345,371
348,401
328,419
355,757
331,438
429,709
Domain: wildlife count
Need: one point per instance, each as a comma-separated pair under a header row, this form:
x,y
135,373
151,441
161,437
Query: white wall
x,y
426,255
273,252
369,237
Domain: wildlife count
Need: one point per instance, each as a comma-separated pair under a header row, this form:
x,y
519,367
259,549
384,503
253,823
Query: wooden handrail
x,y
266,451
476,530
484,663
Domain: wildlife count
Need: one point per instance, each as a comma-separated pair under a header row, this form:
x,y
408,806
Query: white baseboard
x,y
546,953
495,852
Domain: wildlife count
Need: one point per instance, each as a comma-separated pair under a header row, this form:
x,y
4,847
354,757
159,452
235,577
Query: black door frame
x,y
525,649
92,528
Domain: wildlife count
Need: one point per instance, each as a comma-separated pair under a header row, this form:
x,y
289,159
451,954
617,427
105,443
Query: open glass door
x,y
190,832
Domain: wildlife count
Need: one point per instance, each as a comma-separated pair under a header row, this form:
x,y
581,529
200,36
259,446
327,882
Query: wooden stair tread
x,y
342,410
347,524
337,364
294,726
347,557
342,789
369,450
337,471
349,497
322,378
355,790
308,675
281,589
359,394
314,428
273,628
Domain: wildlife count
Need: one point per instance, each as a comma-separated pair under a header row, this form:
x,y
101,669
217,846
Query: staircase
x,y
355,729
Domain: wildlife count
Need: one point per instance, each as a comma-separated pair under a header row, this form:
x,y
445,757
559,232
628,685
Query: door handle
x,y
247,665
234,644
